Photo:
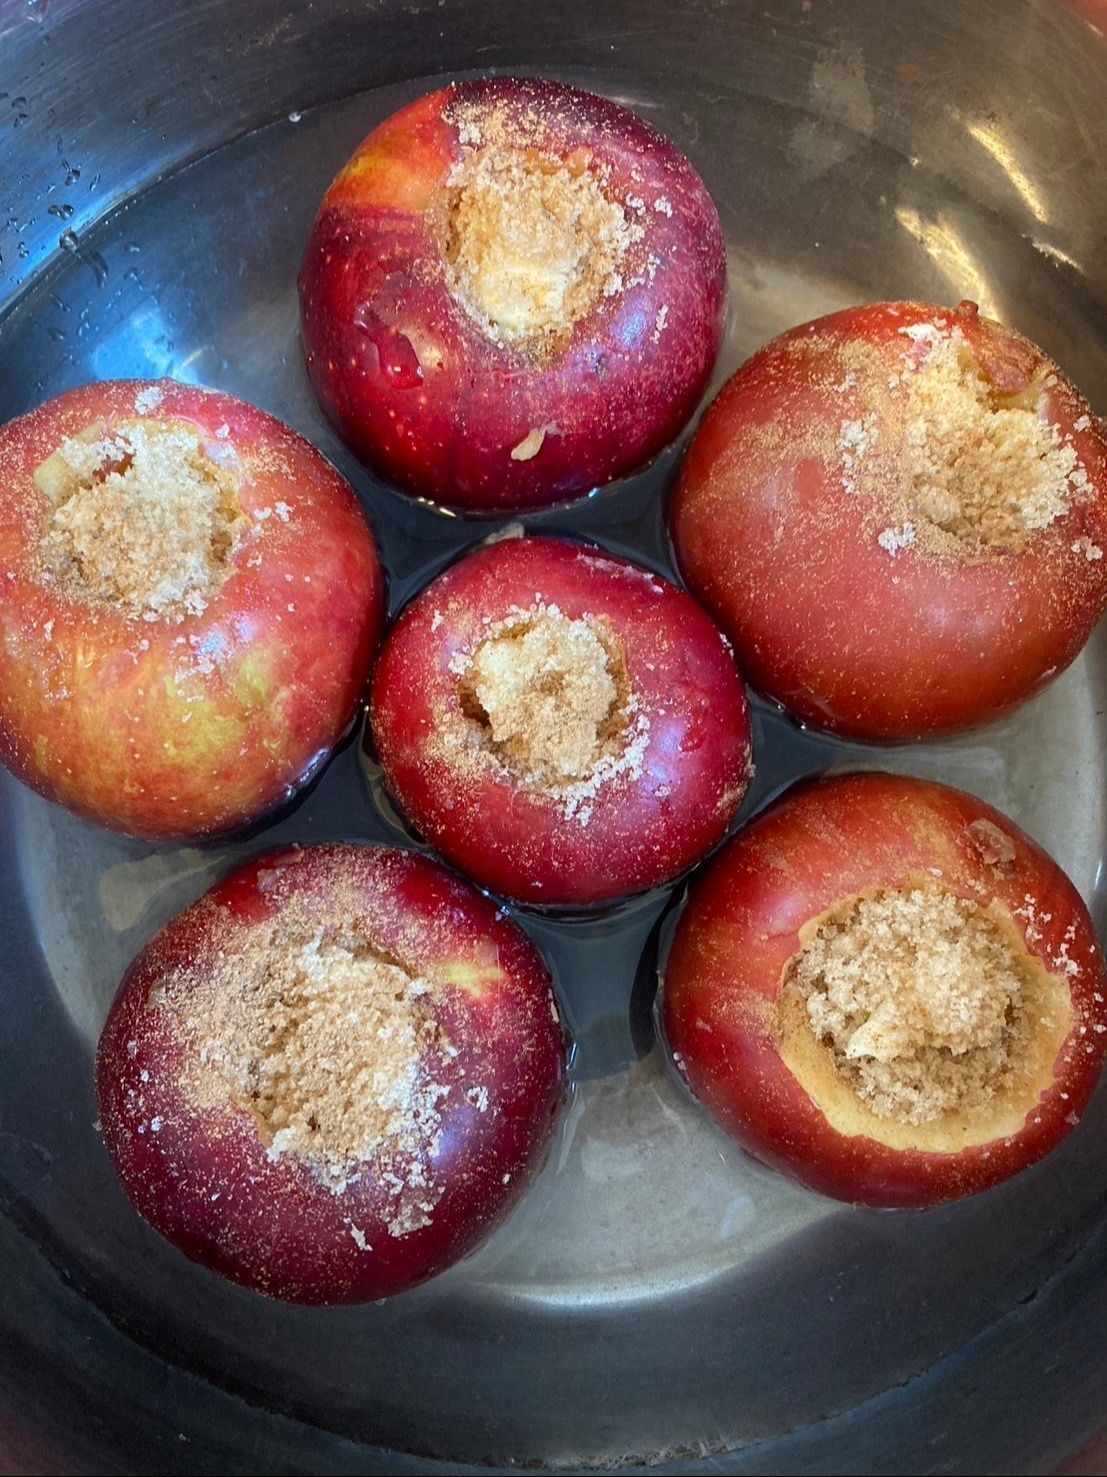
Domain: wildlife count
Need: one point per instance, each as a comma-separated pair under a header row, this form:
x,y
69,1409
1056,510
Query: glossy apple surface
x,y
415,385
204,1178
824,842
830,611
640,828
190,724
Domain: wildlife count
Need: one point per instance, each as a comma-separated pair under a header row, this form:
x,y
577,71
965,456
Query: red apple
x,y
189,601
513,293
898,513
888,992
333,1075
565,726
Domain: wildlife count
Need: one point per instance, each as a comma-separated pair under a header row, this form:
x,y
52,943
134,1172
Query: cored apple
x,y
898,513
887,991
513,293
189,601
333,1075
566,727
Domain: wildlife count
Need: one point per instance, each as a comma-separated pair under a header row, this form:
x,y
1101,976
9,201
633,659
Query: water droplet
x,y
399,362
295,117
132,247
64,211
58,335
96,265
23,250
72,172
69,241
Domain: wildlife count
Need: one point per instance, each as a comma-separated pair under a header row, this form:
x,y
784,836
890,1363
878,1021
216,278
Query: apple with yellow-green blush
x,y
190,597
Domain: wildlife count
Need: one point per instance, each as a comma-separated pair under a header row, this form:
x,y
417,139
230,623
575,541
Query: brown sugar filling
x,y
329,1046
920,1018
551,697
985,468
531,242
142,519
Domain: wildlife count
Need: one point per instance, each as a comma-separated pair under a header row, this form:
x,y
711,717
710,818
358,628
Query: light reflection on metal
x,y
940,239
1056,254
141,346
990,139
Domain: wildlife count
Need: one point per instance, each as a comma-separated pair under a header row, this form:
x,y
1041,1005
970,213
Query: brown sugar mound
x,y
548,698
143,519
985,468
532,243
328,1045
552,695
921,999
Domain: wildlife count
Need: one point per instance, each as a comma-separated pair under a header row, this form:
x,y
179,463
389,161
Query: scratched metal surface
x,y
658,1297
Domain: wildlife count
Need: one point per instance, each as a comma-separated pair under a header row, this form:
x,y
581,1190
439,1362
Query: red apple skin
x,y
434,405
185,728
820,844
822,618
642,832
204,1180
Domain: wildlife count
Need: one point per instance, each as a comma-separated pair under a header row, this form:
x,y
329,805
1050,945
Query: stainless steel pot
x,y
658,1299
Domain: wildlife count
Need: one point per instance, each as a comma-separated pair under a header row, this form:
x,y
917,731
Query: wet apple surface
x,y
885,990
565,726
189,601
899,515
513,293
333,1075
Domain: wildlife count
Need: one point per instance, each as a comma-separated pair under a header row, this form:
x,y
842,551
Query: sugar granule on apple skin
x,y
142,519
328,1044
532,243
920,997
548,697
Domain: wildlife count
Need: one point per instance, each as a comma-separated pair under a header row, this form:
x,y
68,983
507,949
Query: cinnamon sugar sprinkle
x,y
954,465
921,998
532,242
143,518
547,697
328,1042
